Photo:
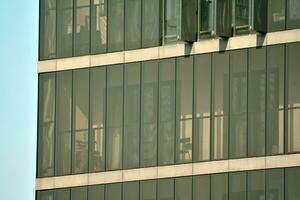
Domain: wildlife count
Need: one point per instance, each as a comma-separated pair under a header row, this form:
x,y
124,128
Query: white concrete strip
x,y
172,50
201,168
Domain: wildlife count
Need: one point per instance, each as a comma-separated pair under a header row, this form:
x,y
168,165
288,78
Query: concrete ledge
x,y
172,50
202,168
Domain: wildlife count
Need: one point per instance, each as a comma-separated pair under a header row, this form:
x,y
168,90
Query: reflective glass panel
x,y
293,14
242,16
62,194
113,191
219,187
131,191
238,186
256,185
183,188
201,187
45,195
79,193
292,180
206,21
148,190
172,23
96,192
275,184
276,15
133,17
165,189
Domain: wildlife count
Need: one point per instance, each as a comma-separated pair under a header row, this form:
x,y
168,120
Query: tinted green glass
x,y
133,15
165,189
292,179
256,101
115,21
148,190
80,121
79,193
62,194
202,107
45,195
242,16
166,134
64,28
238,186
131,116
275,99
82,27
46,125
63,120
183,188
97,119
171,20
149,106
114,117
131,191
220,101
47,37
256,185
113,191
223,18
184,109
293,14
206,17
150,23
275,184
276,15
96,192
98,26
238,104
189,20
219,187
201,187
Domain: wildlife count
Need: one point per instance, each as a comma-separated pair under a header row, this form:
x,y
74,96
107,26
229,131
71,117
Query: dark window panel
x,y
201,187
276,15
256,185
64,28
183,188
131,191
46,125
45,195
63,120
113,191
238,186
115,21
62,194
261,15
202,107
223,18
256,101
79,193
133,25
98,26
184,109
293,14
166,134
206,17
189,20
131,116
97,119
114,117
292,181
96,192
150,23
220,101
82,27
148,190
171,21
275,184
242,15
149,110
275,99
219,187
165,189
238,104
47,37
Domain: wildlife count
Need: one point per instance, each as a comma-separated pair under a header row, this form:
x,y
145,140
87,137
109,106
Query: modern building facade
x,y
169,100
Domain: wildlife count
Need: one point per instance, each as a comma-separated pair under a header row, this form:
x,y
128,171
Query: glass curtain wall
x,y
171,20
133,16
206,18
243,16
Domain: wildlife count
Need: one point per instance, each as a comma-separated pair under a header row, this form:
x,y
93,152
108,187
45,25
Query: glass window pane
x,y
183,188
165,189
238,186
166,136
292,180
242,16
113,191
148,190
98,26
79,193
82,28
46,124
149,106
172,17
150,23
62,194
184,109
224,18
275,184
275,99
131,191
293,14
97,118
201,187
238,104
220,94
202,95
256,185
276,15
45,195
47,38
293,82
132,116
256,101
133,17
63,123
115,25
219,187
114,117
64,28
80,120
96,192
207,16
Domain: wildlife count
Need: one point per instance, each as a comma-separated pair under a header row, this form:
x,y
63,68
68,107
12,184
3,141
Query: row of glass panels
x,y
273,184
80,27
233,104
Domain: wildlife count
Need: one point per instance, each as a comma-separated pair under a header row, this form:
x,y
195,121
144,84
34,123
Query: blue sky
x,y
18,98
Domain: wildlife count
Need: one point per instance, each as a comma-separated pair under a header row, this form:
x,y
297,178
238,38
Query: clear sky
x,y
18,98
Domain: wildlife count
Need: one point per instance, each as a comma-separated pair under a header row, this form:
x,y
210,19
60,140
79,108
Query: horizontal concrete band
x,y
209,167
205,46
